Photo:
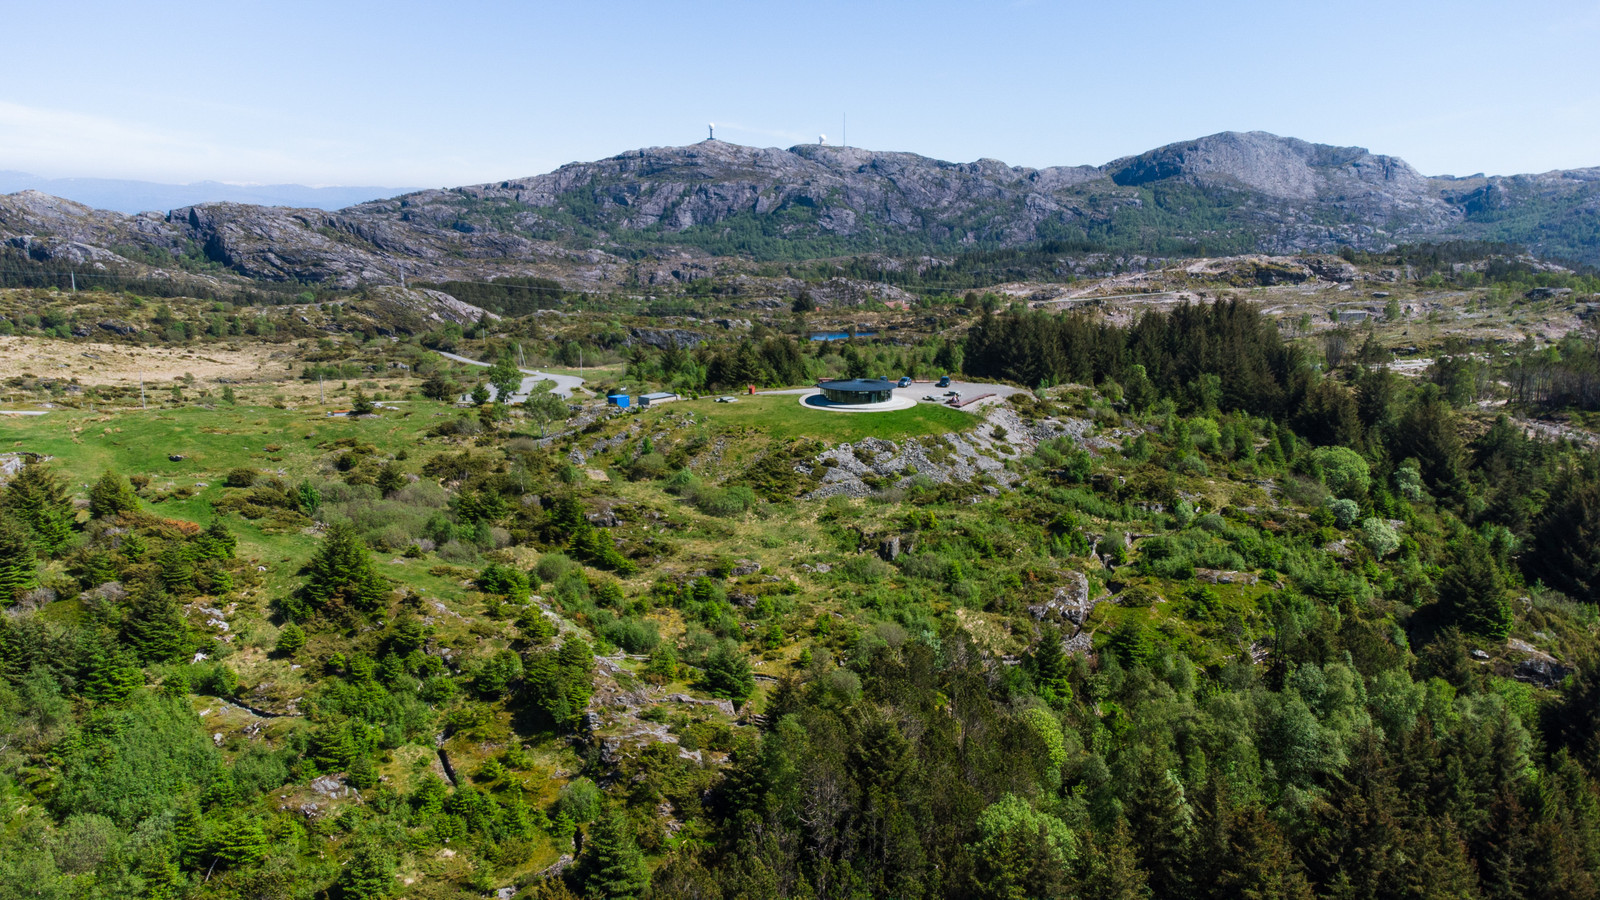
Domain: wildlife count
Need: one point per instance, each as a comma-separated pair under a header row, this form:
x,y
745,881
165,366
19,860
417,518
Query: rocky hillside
x,y
1226,193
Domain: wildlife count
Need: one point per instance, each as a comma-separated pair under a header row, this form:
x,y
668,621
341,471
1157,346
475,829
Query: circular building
x,y
857,391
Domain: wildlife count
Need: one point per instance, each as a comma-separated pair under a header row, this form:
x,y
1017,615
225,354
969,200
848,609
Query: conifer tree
x,y
1114,872
291,638
240,842
1050,669
189,835
37,498
369,875
728,673
108,676
18,566
111,495
216,542
175,566
613,867
1472,592
155,629
341,572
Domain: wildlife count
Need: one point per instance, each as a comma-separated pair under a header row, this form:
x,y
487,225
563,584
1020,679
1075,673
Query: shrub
x,y
632,635
1344,511
1379,537
240,478
725,502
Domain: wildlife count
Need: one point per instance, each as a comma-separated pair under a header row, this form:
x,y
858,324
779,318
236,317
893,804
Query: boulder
x,y
1070,603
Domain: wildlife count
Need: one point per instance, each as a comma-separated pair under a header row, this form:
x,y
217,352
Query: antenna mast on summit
x,y
711,131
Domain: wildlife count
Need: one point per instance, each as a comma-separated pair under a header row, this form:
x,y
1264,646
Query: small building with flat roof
x,y
855,391
655,397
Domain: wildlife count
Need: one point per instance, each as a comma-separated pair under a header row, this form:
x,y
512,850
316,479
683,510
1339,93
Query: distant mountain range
x,y
139,196
660,212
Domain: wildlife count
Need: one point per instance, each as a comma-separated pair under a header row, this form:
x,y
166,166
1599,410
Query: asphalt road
x,y
920,390
565,384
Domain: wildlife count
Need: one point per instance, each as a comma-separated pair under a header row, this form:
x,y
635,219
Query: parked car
x,y
905,381
943,382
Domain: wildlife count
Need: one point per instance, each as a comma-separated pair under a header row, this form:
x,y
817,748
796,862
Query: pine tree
x,y
18,566
155,629
341,572
37,498
111,495
613,867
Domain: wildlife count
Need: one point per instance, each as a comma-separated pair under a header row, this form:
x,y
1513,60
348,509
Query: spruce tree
x,y
341,572
728,674
291,638
216,542
368,875
111,495
240,842
613,867
189,835
38,499
175,568
107,675
1472,592
1050,668
18,565
155,628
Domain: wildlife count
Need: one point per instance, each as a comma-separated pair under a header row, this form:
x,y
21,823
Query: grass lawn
x,y
211,442
781,417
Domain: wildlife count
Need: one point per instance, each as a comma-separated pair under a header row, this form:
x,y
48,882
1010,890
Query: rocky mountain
x,y
658,213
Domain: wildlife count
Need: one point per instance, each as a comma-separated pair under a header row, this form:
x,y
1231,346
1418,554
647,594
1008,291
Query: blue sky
x,y
420,94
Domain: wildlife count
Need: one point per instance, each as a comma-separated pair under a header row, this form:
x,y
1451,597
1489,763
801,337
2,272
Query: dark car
x,y
944,382
905,381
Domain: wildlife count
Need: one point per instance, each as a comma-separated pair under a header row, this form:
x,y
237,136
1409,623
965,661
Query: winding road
x,y
565,384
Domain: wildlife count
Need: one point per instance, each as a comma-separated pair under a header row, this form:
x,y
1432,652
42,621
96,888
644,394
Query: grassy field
x,y
782,418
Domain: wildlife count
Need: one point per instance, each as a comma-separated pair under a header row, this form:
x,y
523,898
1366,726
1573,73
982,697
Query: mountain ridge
x,y
1223,193
133,196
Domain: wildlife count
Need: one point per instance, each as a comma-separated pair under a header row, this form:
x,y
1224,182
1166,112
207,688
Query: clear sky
x,y
436,94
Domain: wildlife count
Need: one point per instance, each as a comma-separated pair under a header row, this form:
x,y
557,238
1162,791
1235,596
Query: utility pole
x,y
74,277
321,397
142,404
402,277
